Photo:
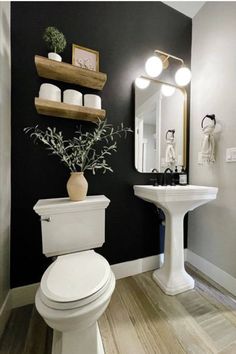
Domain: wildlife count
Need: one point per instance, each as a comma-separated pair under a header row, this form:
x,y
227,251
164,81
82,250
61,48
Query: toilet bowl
x,y
76,288
74,292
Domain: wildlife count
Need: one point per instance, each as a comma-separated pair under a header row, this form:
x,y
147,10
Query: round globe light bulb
x,y
154,66
142,83
167,90
183,76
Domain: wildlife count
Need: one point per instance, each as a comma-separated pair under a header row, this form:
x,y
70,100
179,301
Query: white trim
x,y
23,295
212,271
5,312
126,269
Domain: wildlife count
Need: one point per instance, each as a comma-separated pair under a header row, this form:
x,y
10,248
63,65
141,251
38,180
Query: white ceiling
x,y
188,8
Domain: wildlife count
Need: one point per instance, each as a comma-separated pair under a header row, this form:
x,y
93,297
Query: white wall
x,y
5,148
149,130
212,228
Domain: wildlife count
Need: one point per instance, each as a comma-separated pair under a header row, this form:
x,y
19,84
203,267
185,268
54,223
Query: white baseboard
x,y
23,295
212,271
5,312
126,269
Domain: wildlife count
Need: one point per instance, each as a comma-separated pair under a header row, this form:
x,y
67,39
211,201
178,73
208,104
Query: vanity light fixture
x,y
142,83
167,90
155,64
183,76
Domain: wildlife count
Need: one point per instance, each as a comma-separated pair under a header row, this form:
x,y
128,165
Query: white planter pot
x,y
54,56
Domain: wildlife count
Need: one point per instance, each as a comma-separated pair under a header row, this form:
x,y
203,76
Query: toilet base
x,y
77,342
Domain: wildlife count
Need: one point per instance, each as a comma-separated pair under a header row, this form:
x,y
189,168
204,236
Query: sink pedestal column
x,y
172,277
175,201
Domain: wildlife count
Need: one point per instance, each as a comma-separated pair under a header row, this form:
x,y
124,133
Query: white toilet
x,y
76,288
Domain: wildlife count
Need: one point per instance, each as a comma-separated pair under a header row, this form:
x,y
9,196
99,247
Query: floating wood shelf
x,y
64,110
55,70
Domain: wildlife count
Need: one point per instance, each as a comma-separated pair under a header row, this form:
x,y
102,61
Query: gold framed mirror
x,y
160,125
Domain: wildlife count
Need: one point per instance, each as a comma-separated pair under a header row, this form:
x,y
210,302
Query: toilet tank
x,y
68,226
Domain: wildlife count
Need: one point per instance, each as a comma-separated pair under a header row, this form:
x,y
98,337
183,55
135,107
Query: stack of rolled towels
x,y
53,93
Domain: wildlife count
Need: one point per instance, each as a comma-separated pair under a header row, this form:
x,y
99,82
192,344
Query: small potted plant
x,y
85,151
55,41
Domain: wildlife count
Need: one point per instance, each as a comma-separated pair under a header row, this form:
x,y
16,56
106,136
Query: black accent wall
x,y
125,34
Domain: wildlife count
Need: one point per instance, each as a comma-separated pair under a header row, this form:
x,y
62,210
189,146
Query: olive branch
x,y
85,151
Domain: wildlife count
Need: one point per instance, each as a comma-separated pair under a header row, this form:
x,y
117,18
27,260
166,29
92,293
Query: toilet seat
x,y
75,280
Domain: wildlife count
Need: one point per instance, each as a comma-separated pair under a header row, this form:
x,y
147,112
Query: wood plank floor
x,y
141,319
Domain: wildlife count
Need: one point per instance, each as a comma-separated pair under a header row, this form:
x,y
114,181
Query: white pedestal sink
x,y
175,201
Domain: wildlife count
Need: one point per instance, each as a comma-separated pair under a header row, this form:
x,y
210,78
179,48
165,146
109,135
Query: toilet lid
x,y
75,277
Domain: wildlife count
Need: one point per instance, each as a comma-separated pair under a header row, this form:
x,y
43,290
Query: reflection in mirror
x,y
160,126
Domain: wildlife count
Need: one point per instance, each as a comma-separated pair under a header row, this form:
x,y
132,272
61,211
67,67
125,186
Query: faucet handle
x,y
155,181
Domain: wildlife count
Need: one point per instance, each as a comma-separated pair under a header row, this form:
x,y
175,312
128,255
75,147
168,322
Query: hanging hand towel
x,y
170,152
207,153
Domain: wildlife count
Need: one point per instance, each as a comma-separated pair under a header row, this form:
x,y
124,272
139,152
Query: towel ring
x,y
172,131
210,116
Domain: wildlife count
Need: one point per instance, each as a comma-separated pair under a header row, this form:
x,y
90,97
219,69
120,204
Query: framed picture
x,y
85,58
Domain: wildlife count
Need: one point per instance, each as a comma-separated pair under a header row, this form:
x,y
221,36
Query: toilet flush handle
x,y
47,219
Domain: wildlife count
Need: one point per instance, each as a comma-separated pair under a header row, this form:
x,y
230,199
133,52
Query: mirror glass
x,y
160,126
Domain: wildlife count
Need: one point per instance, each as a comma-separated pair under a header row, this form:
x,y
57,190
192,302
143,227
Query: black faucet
x,y
154,180
172,183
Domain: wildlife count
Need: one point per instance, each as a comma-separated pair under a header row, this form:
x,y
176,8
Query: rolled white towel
x,y
207,153
170,152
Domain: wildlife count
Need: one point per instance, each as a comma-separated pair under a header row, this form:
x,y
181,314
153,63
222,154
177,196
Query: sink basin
x,y
185,198
175,201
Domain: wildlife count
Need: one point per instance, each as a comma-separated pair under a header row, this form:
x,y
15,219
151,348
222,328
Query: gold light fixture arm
x,y
167,55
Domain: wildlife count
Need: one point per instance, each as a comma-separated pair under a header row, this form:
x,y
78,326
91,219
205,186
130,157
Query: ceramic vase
x,y
77,186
